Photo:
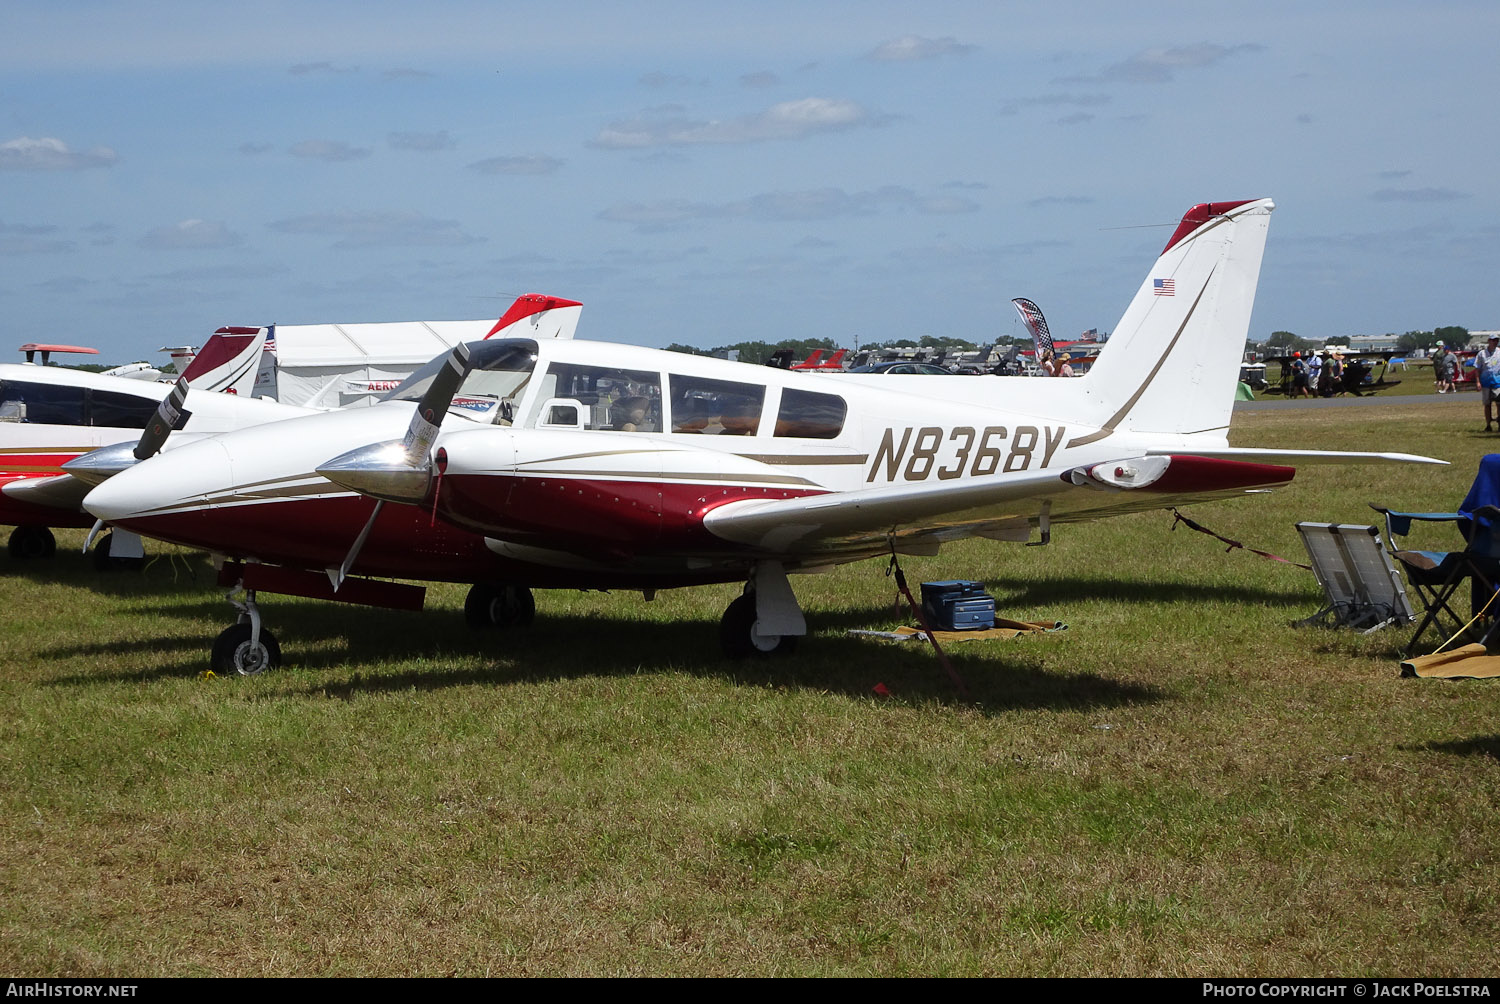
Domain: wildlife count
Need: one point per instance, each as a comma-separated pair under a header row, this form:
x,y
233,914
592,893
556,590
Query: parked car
x,y
902,367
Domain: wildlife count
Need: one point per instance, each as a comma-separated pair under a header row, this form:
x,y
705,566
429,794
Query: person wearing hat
x,y
1063,369
1299,376
1441,377
1487,375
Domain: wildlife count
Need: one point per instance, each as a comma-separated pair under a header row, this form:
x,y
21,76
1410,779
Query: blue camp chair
x,y
1437,575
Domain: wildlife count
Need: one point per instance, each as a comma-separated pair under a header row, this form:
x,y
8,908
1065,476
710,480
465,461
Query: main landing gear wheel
x,y
740,639
233,652
492,604
104,563
27,543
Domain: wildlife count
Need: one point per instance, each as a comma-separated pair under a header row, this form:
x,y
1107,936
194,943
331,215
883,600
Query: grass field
x,y
1179,784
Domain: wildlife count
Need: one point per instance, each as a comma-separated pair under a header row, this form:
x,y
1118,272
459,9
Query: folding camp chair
x,y
1362,585
1437,575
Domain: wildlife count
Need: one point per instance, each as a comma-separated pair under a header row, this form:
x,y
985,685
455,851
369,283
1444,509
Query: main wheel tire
x,y
739,639
104,563
233,653
28,543
494,604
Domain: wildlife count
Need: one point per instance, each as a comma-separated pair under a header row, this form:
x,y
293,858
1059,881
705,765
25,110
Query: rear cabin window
x,y
51,404
120,411
806,414
599,398
715,407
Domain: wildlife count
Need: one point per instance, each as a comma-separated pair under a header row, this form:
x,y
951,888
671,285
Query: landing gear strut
x,y
740,637
245,648
765,620
494,604
104,561
27,543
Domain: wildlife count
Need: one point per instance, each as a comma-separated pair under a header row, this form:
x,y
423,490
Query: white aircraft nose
x,y
194,476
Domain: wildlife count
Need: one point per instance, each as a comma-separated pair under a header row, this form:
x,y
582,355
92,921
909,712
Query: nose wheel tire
x,y
104,563
739,638
233,653
28,543
493,604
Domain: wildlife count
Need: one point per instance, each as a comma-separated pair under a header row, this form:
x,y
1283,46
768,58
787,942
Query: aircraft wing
x,y
1260,456
916,518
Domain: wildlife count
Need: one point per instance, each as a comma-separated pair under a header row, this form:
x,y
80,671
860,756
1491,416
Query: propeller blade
x,y
434,405
337,575
169,417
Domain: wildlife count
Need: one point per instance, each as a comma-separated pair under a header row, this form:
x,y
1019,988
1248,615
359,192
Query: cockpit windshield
x,y
499,372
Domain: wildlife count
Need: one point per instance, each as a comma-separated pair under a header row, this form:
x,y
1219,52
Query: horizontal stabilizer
x,y
1255,455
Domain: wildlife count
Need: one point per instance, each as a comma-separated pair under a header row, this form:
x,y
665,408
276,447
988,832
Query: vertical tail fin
x,y
228,361
535,315
1172,363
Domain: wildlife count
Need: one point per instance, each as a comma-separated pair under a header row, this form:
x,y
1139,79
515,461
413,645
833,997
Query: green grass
x,y
1178,784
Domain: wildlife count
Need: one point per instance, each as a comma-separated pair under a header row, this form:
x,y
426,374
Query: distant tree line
x,y
1452,334
760,352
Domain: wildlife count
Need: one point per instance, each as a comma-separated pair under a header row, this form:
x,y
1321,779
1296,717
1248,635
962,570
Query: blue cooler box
x,y
957,605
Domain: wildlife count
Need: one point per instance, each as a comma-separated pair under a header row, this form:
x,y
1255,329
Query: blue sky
x,y
709,173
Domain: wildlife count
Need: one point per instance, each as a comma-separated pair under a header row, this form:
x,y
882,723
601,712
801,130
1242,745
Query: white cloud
x,y
422,141
1159,65
304,69
191,235
51,154
908,48
781,207
1418,195
1054,100
788,120
533,164
331,150
378,229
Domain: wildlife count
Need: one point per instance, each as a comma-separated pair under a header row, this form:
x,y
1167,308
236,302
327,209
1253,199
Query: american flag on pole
x,y
1164,287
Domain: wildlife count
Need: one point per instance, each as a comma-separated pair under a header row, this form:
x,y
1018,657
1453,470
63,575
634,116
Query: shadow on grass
x,y
367,651
1055,592
1477,746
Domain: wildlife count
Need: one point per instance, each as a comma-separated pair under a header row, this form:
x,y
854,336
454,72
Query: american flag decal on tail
x,y
1164,287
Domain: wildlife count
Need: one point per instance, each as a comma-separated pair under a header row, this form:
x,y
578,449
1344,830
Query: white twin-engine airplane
x,y
594,465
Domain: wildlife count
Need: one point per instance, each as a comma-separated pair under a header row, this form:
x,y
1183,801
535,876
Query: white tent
x,y
335,365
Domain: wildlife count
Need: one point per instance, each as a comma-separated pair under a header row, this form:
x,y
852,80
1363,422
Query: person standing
x,y
1440,377
1487,375
1315,373
1299,376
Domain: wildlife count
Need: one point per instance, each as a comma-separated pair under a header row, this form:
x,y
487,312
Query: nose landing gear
x,y
245,648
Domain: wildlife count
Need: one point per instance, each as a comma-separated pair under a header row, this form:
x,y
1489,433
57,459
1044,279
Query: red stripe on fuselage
x,y
317,533
619,516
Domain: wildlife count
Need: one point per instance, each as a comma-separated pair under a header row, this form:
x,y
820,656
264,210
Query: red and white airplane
x,y
49,416
815,361
579,464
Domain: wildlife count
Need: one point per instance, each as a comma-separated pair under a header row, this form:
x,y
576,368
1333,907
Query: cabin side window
x,y
120,411
806,414
597,398
715,407
41,403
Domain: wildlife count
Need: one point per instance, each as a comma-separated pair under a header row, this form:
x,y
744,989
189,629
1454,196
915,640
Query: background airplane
x,y
49,416
602,465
